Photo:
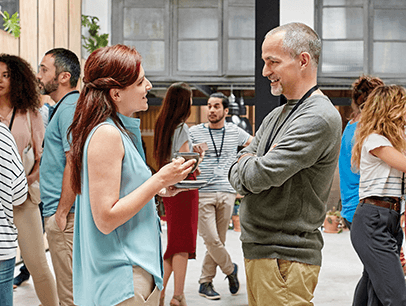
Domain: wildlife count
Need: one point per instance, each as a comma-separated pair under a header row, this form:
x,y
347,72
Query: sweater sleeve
x,y
301,146
233,174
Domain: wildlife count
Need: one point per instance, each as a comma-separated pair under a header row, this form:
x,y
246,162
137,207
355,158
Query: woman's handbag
x,y
28,160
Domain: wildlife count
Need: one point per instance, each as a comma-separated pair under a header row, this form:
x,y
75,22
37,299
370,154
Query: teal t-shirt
x,y
102,264
53,157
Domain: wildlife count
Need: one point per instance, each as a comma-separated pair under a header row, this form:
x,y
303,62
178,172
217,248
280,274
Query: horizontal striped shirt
x,y
214,167
13,191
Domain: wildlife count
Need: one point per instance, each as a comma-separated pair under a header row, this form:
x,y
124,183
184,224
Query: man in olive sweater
x,y
286,174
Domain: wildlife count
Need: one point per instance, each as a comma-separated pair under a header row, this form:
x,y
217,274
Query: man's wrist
x,y
244,155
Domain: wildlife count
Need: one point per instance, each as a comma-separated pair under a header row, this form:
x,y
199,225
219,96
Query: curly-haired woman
x,y
376,234
349,180
19,104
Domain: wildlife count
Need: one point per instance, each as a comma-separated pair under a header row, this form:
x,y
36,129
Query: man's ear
x,y
64,78
305,59
226,110
115,94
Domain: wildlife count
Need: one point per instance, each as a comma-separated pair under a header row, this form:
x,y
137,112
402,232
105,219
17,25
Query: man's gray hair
x,y
299,38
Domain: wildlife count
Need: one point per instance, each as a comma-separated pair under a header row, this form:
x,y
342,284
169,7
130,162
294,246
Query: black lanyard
x,y
60,102
12,118
306,95
218,154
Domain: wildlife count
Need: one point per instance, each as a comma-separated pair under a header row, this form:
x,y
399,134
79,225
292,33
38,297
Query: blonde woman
x,y
376,234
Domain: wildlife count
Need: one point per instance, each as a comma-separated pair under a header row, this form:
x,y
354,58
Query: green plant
x,y
95,40
337,220
334,212
11,24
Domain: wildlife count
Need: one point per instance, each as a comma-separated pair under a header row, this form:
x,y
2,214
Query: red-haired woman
x,y
117,252
172,135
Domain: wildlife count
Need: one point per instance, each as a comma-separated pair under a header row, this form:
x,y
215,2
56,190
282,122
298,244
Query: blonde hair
x,y
383,113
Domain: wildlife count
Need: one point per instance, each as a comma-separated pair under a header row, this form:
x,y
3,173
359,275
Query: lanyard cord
x,y
306,95
12,118
218,154
60,102
56,107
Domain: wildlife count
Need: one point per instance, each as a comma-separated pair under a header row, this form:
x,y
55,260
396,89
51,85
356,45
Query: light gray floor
x,y
339,275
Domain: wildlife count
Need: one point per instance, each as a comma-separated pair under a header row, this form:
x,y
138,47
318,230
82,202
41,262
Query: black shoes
x,y
207,290
233,282
22,277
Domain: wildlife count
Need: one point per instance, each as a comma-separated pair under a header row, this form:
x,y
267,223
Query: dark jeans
x,y
377,238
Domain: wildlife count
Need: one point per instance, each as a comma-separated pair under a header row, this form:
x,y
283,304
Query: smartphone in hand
x,y
200,147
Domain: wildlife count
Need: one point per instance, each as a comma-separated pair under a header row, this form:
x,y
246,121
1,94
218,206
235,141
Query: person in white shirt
x,y
376,234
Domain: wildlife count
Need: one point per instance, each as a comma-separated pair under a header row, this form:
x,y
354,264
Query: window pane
x,y
343,23
343,2
198,56
152,52
144,3
241,2
241,23
342,56
390,24
198,3
389,57
389,3
143,23
198,23
10,6
241,55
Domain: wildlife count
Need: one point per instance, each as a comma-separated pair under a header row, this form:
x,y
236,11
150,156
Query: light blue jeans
x,y
6,281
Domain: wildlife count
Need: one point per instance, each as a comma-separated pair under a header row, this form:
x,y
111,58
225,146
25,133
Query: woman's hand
x,y
170,191
175,171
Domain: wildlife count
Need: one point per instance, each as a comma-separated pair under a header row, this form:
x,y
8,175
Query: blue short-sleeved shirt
x,y
349,180
53,159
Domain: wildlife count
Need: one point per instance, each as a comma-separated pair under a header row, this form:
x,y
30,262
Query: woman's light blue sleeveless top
x,y
102,264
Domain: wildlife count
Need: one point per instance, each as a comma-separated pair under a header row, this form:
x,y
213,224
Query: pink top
x,y
22,134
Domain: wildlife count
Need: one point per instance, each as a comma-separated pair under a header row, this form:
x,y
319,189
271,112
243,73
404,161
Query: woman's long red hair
x,y
175,109
117,66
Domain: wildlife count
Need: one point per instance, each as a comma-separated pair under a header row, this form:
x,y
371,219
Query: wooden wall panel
x,y
8,43
45,24
46,35
75,27
61,24
29,31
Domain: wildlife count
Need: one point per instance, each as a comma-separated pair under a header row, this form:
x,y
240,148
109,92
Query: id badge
x,y
218,171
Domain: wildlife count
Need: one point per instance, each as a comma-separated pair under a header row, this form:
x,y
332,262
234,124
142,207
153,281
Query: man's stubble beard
x,y
50,87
